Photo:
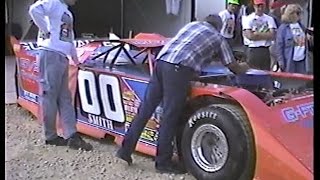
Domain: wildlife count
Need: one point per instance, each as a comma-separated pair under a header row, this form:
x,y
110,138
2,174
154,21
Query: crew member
x,y
195,46
55,23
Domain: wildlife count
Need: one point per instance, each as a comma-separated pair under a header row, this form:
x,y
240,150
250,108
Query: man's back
x,y
53,17
196,41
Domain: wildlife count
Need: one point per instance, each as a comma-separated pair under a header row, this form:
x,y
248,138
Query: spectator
x,y
229,21
275,13
247,11
259,28
291,44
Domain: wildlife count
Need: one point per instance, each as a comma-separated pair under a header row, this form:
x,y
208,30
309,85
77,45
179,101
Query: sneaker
x,y
76,142
172,168
124,157
58,141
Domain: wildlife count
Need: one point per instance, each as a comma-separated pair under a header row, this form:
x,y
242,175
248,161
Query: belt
x,y
260,47
178,65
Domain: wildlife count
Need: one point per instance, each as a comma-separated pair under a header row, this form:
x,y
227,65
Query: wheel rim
x,y
209,148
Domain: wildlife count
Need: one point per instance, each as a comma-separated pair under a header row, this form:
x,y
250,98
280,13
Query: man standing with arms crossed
x,y
259,28
194,47
55,23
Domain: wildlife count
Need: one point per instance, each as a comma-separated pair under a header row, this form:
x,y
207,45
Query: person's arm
x,y
270,34
247,29
38,11
256,36
74,54
223,16
229,61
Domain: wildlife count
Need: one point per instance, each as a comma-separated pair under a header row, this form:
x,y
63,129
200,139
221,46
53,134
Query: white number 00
x,y
110,96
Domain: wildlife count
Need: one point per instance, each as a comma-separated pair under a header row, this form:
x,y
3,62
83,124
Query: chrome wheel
x,y
209,148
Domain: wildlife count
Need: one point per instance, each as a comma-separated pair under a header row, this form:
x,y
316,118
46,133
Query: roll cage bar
x,y
145,46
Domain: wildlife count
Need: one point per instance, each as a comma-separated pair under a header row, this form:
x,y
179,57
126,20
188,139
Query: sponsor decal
x,y
29,65
30,96
293,114
100,121
28,46
149,135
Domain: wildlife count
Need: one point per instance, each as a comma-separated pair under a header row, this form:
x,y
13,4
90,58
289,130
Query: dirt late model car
x,y
258,125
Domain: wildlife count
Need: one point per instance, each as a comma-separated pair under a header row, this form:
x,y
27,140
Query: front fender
x,y
274,161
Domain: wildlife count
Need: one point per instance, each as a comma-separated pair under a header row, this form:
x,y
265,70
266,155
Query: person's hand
x,y
244,67
309,37
310,28
81,66
77,62
238,68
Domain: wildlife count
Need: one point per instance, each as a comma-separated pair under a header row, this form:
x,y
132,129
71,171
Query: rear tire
x,y
218,143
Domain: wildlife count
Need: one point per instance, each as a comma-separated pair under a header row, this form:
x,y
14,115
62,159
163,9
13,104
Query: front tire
x,y
218,143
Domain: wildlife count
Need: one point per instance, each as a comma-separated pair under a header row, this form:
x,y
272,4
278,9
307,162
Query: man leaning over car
x,y
177,63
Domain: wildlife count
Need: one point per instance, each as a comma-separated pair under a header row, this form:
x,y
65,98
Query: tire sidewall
x,y
236,139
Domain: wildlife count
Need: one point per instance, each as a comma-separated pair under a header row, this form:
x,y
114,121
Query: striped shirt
x,y
197,45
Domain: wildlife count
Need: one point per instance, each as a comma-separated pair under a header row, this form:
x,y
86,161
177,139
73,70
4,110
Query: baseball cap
x,y
256,2
277,4
233,2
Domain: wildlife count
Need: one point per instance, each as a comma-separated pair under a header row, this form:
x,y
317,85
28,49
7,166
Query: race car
x,y
257,125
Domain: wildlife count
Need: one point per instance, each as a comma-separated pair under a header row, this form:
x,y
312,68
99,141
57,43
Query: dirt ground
x,y
27,157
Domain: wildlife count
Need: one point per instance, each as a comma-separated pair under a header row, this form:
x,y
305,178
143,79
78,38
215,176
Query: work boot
x,y
58,141
76,142
120,154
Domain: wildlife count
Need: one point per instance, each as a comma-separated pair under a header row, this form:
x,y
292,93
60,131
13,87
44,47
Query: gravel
x,y
27,157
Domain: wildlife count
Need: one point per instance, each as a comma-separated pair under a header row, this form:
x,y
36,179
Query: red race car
x,y
257,125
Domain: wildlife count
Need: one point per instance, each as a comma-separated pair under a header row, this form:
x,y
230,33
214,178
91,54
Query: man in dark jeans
x,y
193,48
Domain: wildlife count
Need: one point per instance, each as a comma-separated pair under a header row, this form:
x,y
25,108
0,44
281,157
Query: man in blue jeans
x,y
194,47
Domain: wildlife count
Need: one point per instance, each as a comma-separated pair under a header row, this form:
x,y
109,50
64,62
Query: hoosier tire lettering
x,y
201,115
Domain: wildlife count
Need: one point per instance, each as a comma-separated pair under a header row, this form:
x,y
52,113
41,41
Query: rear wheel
x,y
218,144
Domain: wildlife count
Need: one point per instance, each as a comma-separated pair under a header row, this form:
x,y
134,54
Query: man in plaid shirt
x,y
195,46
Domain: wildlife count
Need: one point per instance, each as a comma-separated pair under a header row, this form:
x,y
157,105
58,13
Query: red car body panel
x,y
283,133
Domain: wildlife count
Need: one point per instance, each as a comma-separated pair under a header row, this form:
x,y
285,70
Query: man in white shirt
x,y
229,21
55,23
259,29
